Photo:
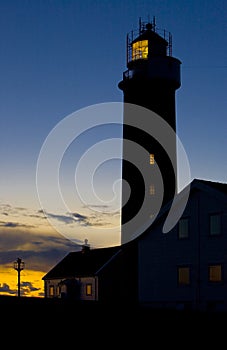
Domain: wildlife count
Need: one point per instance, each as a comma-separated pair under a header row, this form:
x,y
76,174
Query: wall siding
x,y
160,254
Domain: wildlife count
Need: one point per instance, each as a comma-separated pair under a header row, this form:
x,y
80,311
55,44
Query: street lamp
x,y
18,266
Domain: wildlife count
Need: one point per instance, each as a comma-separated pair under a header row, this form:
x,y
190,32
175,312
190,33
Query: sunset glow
x,y
60,57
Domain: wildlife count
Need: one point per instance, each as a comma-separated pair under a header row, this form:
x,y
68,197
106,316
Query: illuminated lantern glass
x,y
140,50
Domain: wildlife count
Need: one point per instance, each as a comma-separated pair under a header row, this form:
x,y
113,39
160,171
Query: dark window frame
x,y
219,215
185,218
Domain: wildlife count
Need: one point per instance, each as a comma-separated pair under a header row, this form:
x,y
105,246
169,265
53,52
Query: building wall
x,y
87,288
52,289
118,279
84,293
160,255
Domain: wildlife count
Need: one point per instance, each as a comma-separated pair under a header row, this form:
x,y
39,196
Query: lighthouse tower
x,y
151,80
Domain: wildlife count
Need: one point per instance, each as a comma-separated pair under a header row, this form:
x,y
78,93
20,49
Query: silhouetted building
x,y
150,81
184,268
104,275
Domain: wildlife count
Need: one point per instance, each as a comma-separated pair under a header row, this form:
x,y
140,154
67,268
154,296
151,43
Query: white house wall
x,y
94,286
83,281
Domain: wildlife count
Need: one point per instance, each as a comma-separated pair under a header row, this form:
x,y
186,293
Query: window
x,y
152,190
215,224
183,275
215,273
183,228
57,290
140,50
51,291
151,159
89,289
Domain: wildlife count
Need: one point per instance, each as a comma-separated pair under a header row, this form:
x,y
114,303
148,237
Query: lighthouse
x,y
150,82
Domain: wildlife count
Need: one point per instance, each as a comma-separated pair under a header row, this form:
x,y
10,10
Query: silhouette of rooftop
x,y
82,263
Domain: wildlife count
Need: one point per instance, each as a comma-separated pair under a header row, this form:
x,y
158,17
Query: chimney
x,y
85,246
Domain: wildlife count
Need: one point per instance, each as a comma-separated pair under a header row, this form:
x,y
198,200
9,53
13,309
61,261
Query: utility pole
x,y
18,266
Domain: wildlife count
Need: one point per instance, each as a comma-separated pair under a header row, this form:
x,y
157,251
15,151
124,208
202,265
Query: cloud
x,y
97,215
26,288
28,234
37,241
40,249
71,218
79,216
67,219
82,219
14,224
7,209
103,206
4,288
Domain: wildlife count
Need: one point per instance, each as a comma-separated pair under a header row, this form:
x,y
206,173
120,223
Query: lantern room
x,y
149,57
147,43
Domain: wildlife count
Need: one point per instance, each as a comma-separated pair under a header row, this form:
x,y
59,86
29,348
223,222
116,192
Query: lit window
x,y
57,290
51,291
215,224
183,275
140,50
151,158
215,273
88,289
152,190
183,228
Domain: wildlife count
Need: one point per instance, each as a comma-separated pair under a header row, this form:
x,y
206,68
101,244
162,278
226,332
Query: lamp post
x,y
18,266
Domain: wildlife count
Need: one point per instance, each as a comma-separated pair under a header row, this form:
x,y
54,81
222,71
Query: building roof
x,y
82,263
220,186
88,262
215,189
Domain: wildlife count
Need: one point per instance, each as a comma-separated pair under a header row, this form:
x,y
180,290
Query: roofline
x,y
108,261
199,184
45,278
195,184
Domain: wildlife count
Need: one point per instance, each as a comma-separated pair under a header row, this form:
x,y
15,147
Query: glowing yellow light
x,y
140,50
151,158
88,289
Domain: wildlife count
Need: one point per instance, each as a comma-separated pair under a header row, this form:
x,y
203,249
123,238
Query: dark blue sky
x,y
58,56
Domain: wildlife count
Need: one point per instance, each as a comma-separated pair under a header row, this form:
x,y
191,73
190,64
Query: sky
x,y
61,60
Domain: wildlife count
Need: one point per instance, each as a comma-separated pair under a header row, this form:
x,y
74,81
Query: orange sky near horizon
x,y
31,282
27,234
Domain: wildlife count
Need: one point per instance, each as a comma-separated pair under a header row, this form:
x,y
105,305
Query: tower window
x,y
152,189
151,158
140,50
